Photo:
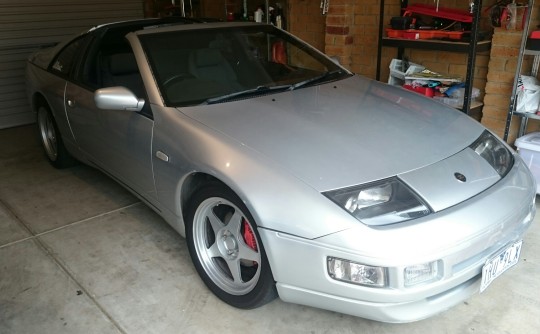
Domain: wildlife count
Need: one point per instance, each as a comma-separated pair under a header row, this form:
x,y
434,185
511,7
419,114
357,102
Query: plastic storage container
x,y
427,91
397,76
423,34
529,150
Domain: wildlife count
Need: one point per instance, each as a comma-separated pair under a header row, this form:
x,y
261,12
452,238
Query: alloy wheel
x,y
48,134
226,246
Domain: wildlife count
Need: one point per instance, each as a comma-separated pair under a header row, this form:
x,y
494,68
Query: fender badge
x,y
460,177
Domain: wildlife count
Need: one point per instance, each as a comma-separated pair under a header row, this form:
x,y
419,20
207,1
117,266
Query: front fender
x,y
276,199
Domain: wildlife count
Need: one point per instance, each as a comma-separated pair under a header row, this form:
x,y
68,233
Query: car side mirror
x,y
117,98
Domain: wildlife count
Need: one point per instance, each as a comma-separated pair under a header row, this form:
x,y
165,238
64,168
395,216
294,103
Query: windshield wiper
x,y
259,90
320,77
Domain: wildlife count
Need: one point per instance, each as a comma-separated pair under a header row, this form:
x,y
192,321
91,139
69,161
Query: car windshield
x,y
217,65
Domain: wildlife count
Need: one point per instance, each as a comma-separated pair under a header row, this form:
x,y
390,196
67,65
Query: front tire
x,y
227,250
51,139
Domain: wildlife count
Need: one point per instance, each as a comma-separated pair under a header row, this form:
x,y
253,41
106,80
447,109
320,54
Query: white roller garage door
x,y
26,25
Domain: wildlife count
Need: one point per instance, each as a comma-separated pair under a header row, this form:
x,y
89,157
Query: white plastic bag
x,y
528,94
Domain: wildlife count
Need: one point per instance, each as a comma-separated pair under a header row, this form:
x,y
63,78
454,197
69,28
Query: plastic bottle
x,y
258,15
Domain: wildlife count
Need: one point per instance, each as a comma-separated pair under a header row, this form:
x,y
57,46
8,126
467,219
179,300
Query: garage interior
x,y
79,254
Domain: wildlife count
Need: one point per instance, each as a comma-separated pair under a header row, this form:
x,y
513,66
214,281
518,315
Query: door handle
x,y
71,103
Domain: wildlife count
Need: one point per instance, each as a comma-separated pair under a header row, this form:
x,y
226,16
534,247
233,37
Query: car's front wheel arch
x,y
220,246
190,185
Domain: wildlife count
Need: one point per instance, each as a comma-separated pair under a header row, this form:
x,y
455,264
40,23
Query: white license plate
x,y
498,264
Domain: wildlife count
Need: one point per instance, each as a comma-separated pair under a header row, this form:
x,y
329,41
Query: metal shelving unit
x,y
523,51
247,3
470,48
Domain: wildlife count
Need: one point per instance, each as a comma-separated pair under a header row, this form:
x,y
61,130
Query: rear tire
x,y
226,248
51,139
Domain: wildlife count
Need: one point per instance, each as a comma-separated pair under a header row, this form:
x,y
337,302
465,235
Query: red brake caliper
x,y
249,236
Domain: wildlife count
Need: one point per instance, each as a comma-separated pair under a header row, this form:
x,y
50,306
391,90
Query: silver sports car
x,y
287,174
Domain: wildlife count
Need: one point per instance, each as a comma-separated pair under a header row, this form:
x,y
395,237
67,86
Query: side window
x,y
67,58
110,62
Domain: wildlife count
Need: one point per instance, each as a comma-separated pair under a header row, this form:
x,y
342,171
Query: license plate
x,y
498,264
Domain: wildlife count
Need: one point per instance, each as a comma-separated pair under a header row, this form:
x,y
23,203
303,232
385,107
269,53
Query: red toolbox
x,y
423,34
441,12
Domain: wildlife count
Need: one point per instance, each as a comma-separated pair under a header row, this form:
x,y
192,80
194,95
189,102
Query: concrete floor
x,y
79,254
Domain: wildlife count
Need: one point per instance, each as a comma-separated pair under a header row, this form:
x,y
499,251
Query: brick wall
x,y
306,21
363,35
339,39
361,55
501,73
444,62
366,34
502,67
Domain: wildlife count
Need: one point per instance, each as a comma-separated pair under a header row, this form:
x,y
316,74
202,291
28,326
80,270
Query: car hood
x,y
343,133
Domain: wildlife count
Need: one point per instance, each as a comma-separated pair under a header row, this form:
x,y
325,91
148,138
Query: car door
x,y
117,141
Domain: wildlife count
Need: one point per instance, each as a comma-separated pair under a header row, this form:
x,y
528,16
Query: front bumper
x,y
462,238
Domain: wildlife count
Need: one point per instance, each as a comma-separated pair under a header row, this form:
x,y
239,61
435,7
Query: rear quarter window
x,y
67,58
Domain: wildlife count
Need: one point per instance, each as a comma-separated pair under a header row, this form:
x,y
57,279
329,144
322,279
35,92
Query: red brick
x,y
336,30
